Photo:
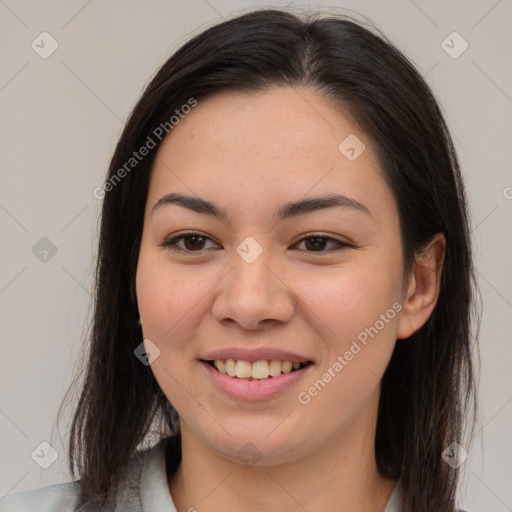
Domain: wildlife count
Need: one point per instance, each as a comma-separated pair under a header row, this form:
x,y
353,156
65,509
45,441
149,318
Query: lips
x,y
249,389
255,354
256,373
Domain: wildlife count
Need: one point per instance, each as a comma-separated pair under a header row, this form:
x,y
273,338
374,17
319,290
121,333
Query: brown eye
x,y
318,243
192,242
195,242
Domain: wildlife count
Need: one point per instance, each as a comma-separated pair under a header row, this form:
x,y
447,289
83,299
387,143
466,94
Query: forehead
x,y
261,146
276,125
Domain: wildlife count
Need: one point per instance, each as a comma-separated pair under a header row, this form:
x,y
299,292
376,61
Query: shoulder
x,y
53,498
143,486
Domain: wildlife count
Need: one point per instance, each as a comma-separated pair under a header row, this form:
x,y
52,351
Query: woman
x,y
284,283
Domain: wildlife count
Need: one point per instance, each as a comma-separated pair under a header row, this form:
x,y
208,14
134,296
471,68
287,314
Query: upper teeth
x,y
257,370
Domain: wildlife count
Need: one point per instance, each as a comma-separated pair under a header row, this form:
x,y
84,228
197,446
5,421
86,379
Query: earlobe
x,y
424,286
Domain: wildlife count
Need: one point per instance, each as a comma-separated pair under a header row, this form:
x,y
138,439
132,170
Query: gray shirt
x,y
144,489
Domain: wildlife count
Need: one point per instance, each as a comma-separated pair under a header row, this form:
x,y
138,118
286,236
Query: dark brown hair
x,y
429,386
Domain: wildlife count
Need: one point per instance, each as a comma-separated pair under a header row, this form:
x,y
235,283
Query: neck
x,y
341,476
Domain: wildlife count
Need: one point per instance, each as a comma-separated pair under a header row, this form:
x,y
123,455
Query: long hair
x,y
429,385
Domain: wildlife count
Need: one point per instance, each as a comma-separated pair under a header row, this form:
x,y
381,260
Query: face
x,y
264,285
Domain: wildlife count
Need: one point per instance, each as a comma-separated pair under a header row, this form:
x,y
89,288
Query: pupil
x,y
196,238
318,242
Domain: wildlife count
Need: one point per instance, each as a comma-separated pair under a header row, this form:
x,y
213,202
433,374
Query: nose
x,y
253,294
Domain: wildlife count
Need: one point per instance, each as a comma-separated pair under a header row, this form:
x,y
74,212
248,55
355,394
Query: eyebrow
x,y
287,210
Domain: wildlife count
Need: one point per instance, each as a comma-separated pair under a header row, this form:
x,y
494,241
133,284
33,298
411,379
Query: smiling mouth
x,y
258,370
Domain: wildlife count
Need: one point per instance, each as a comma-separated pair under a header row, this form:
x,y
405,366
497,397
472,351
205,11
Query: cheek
x,y
358,341
349,299
170,299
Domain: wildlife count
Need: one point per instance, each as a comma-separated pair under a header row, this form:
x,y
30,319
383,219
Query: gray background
x,y
61,117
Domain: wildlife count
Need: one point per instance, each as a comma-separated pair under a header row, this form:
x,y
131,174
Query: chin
x,y
250,446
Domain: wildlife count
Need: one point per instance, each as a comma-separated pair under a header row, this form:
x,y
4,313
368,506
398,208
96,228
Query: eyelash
x,y
171,244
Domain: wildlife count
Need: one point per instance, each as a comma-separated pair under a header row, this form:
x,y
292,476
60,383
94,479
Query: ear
x,y
423,287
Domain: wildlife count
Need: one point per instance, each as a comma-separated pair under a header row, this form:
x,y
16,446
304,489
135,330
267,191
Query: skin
x,y
249,154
